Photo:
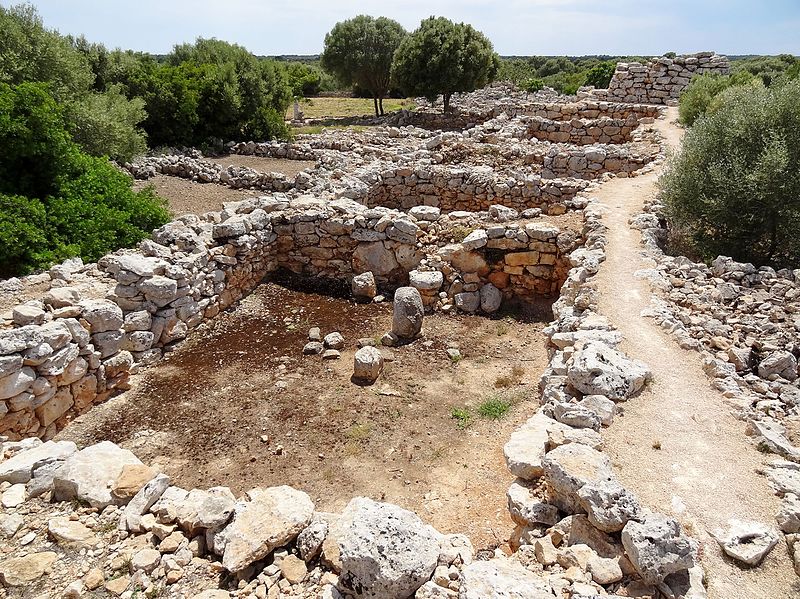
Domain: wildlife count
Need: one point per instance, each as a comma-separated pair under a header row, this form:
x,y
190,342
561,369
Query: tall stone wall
x,y
661,79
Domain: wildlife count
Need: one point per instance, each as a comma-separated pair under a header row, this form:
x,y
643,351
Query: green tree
x,y
442,57
359,51
31,53
600,75
55,200
734,189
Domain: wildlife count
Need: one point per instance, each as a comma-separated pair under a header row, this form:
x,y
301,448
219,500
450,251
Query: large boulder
x,y
597,369
657,548
374,257
385,551
746,541
408,313
201,509
268,519
89,474
501,579
491,298
778,364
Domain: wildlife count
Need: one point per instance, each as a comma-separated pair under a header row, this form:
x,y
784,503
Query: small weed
x,y
502,328
459,233
456,358
106,527
494,407
353,448
463,416
657,444
359,432
438,454
509,380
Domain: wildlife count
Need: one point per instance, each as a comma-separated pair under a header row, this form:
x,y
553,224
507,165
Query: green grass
x,y
494,407
318,108
359,432
463,417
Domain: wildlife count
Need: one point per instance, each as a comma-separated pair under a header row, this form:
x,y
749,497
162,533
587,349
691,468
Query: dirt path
x,y
705,471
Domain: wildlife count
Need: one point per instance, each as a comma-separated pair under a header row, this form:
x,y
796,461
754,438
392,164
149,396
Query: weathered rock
x,y
16,382
569,467
596,369
367,364
374,257
269,518
309,541
468,301
609,505
789,516
501,578
334,340
526,509
491,298
527,446
747,542
20,467
385,551
408,313
779,363
89,474
201,509
426,281
146,560
293,569
13,497
475,240
313,348
657,548
70,533
102,315
132,478
602,406
21,571
142,502
363,286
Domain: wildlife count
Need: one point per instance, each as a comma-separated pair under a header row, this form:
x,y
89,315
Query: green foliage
x,y
462,416
30,53
766,68
442,57
532,84
600,75
699,95
106,123
359,51
304,80
494,407
23,242
734,189
56,200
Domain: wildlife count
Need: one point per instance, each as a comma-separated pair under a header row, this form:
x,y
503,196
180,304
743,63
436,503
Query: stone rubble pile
x,y
745,322
661,79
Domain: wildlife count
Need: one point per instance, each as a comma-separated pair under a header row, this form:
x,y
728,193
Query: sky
x,y
516,27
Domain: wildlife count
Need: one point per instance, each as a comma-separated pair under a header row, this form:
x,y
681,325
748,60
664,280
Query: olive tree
x,y
442,57
734,189
359,51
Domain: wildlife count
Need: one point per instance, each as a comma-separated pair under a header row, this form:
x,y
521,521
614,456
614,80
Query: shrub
x,y
56,200
532,84
600,75
494,407
699,95
734,189
23,237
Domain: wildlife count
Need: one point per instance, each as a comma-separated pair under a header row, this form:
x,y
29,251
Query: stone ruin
x,y
450,221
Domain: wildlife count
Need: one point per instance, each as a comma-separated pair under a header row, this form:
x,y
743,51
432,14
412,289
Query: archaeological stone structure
x,y
454,215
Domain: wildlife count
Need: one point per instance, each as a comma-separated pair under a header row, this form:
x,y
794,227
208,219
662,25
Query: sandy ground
x,y
189,197
216,410
706,471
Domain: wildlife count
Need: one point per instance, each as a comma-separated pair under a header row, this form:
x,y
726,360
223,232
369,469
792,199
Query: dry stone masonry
x,y
661,79
451,221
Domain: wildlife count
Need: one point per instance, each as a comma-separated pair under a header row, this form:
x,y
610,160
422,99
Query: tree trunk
x,y
375,100
446,98
380,102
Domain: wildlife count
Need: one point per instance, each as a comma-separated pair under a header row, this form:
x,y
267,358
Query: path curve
x,y
706,470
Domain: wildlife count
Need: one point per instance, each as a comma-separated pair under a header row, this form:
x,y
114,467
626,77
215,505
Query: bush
x,y
57,201
532,85
698,96
600,75
734,189
23,238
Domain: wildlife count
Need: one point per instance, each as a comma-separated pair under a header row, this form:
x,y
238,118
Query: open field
x,y
318,108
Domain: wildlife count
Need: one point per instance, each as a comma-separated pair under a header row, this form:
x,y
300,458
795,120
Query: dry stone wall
x,y
69,350
661,79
